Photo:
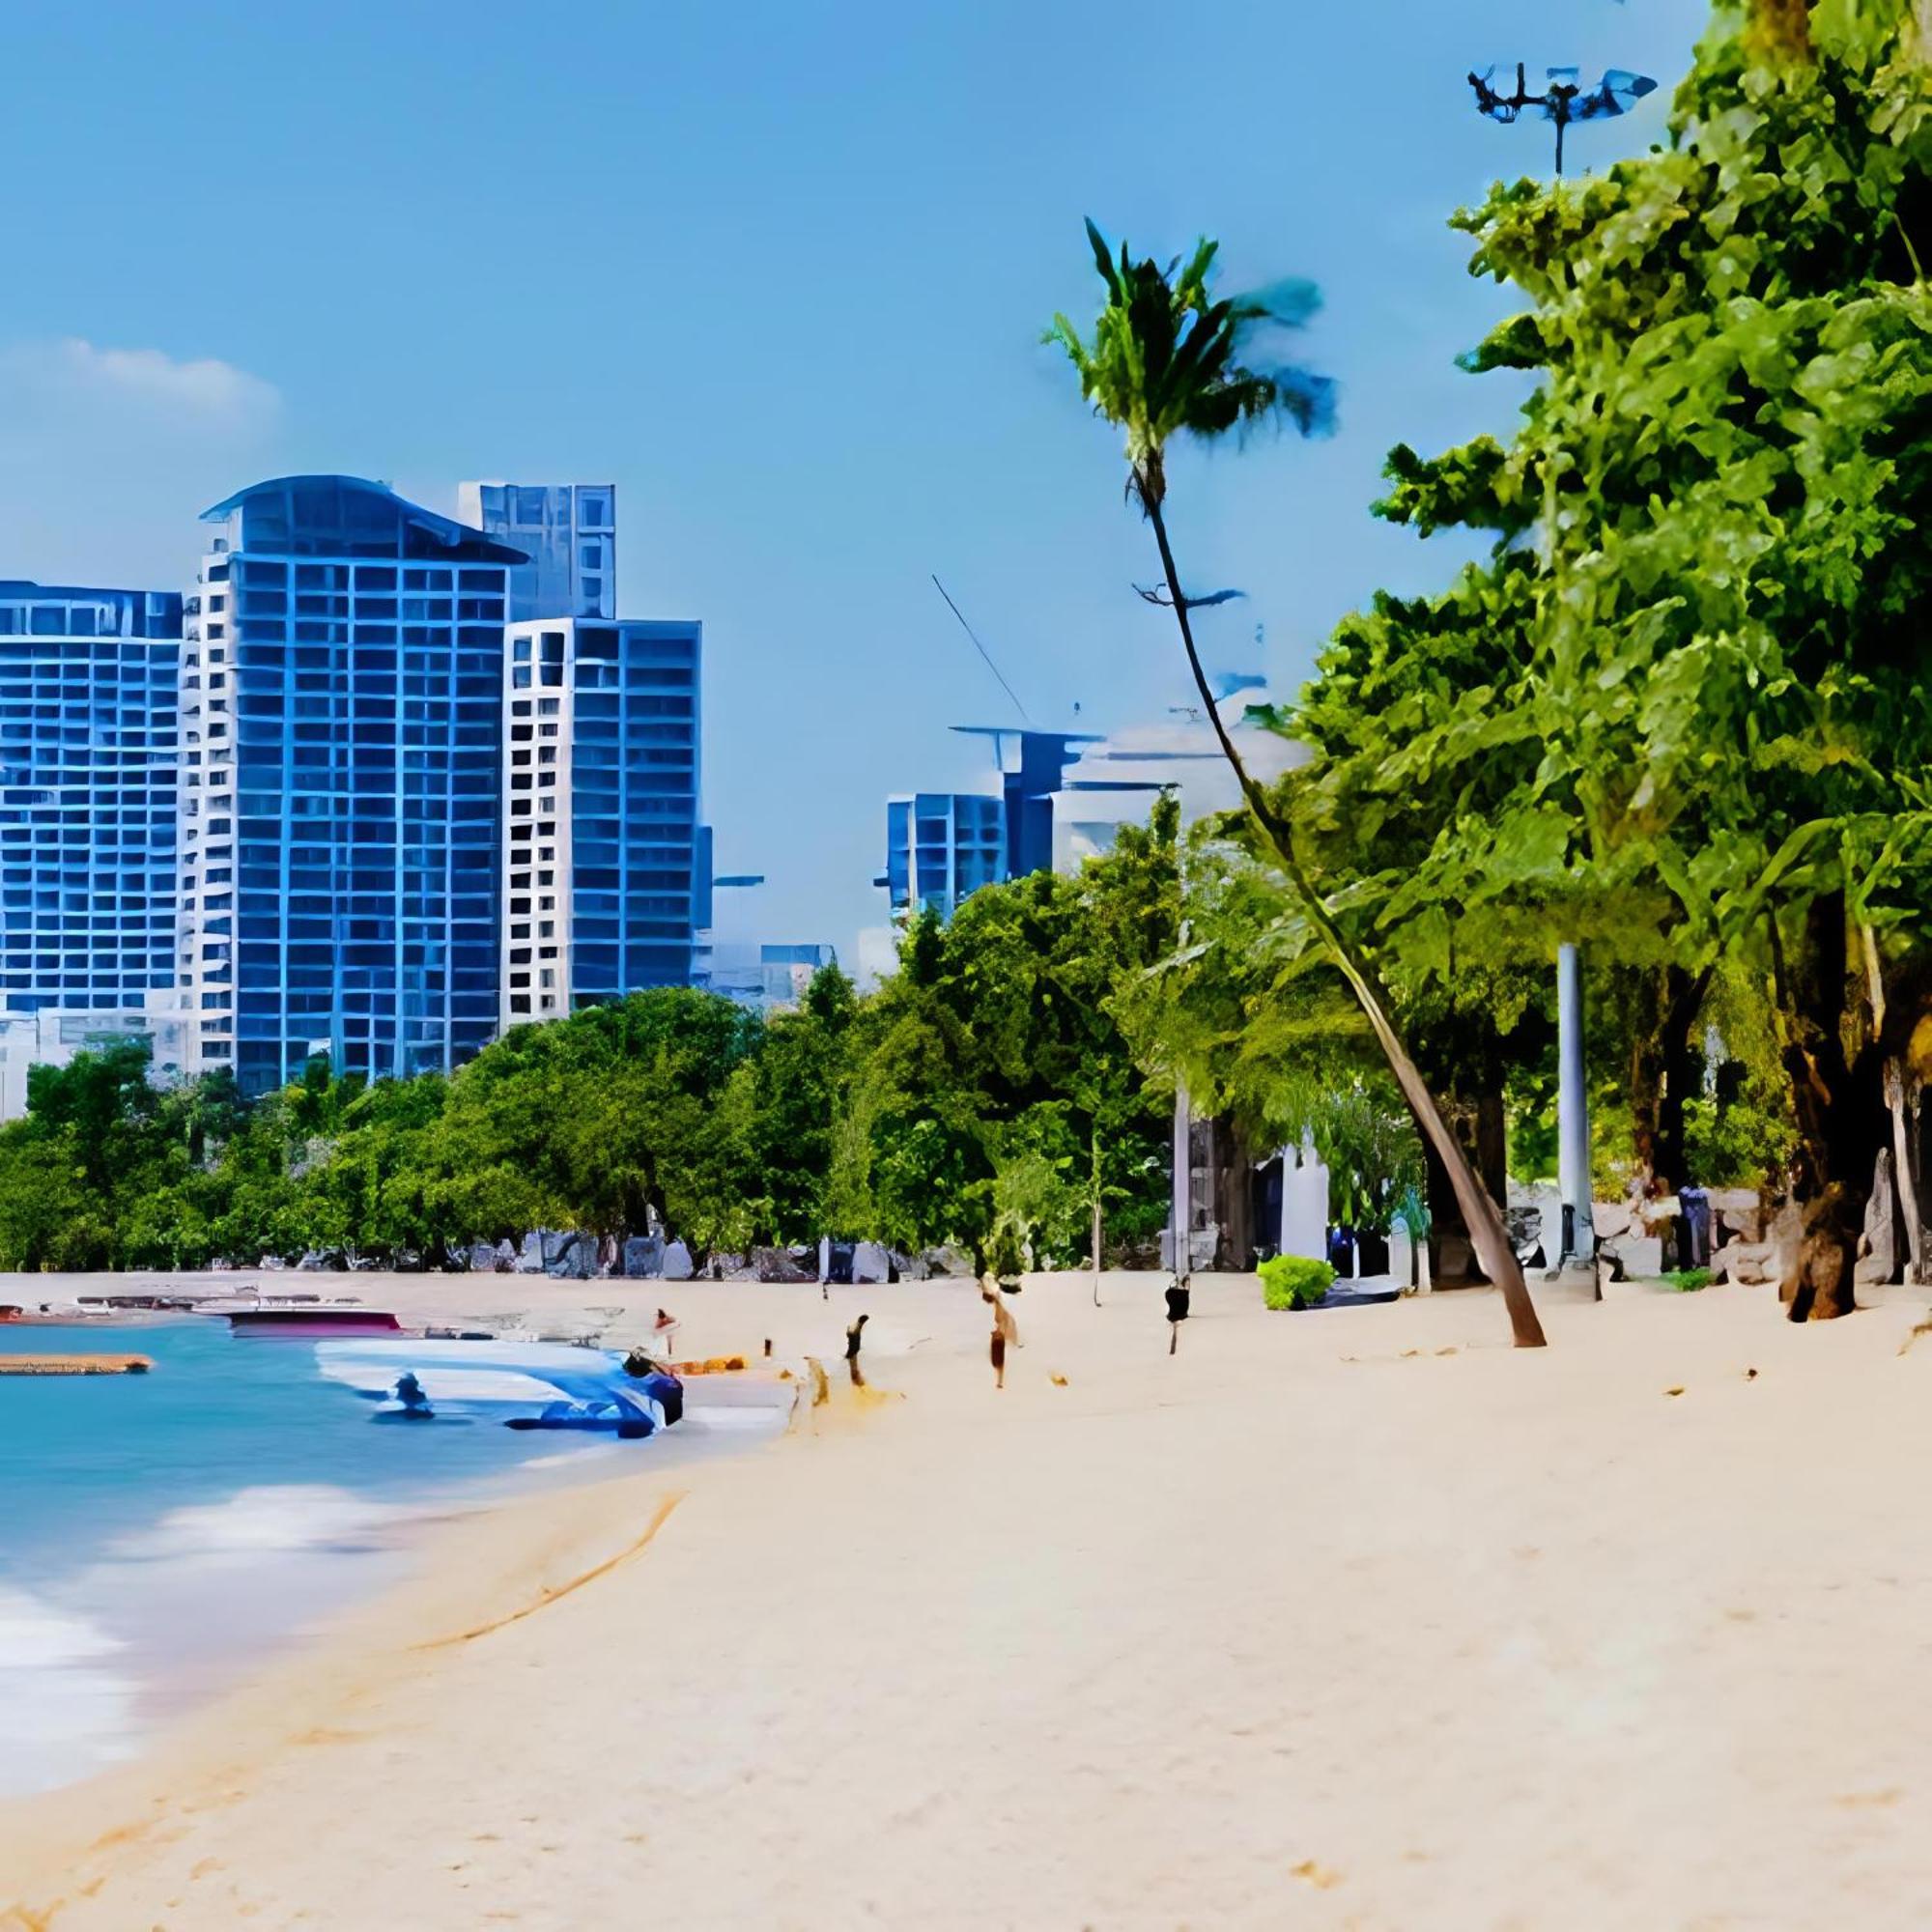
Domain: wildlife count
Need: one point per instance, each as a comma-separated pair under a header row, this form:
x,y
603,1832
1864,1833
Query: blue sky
x,y
778,271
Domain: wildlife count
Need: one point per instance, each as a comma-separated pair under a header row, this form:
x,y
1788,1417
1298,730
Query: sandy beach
x,y
1347,1619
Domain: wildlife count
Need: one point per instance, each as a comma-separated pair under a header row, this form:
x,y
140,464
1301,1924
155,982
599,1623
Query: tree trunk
x,y
1839,1109
1484,1220
1664,1074
1234,1197
1481,1127
1099,1231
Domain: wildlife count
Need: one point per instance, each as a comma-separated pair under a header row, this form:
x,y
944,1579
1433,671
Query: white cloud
x,y
205,390
108,453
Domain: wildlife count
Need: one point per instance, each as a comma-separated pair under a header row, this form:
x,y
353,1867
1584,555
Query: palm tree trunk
x,y
1484,1218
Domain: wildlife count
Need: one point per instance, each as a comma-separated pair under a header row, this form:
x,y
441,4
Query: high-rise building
x,y
341,717
605,873
569,533
88,771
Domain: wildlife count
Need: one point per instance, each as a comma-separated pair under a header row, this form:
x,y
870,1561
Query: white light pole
x,y
1573,1113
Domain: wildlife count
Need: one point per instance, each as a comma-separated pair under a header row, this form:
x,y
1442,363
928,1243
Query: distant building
x,y
788,972
1117,781
342,716
54,1035
1063,798
940,847
767,978
569,533
88,796
607,874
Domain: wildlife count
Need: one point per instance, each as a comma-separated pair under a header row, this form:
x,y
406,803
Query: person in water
x,y
410,1394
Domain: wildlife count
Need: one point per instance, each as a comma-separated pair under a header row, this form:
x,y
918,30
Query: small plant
x,y
1295,1281
1688,1281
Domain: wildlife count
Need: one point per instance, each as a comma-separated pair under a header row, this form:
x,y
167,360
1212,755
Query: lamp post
x,y
1563,100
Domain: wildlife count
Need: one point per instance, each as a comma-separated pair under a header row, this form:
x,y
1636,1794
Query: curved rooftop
x,y
349,516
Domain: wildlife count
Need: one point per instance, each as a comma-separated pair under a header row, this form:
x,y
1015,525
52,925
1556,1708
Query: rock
x,y
870,1263
481,1258
569,1257
947,1260
530,1256
677,1265
907,1267
644,1257
785,1265
1784,1234
1746,1221
1750,1262
1641,1254
1878,1259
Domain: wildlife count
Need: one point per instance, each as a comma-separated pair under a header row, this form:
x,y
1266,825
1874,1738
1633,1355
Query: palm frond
x,y
1167,359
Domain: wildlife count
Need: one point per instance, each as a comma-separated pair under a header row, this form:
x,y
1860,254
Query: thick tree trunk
x,y
1234,1197
1841,1114
1480,1127
1487,1228
1663,1073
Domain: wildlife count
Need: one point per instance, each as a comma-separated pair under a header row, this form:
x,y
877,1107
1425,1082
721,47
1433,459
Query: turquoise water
x,y
158,1531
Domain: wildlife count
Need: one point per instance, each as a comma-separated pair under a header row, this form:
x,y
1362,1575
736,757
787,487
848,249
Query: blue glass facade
x,y
569,533
341,717
605,865
88,771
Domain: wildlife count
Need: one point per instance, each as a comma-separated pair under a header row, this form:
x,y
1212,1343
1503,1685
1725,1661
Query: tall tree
x,y
1169,360
1715,507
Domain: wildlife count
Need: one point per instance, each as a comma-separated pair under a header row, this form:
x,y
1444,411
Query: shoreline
x,y
110,1637
1352,1617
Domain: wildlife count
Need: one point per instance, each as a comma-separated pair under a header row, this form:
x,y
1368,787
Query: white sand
x,y
1318,1624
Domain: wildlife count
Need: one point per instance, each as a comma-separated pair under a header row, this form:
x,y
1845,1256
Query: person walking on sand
x,y
1005,1331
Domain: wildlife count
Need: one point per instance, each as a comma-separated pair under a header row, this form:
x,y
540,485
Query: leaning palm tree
x,y
1167,359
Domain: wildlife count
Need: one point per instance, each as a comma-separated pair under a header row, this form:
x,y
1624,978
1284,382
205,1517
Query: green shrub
x,y
1688,1281
1295,1281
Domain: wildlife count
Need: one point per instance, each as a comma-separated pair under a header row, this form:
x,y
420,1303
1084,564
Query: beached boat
x,y
525,1384
305,1321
